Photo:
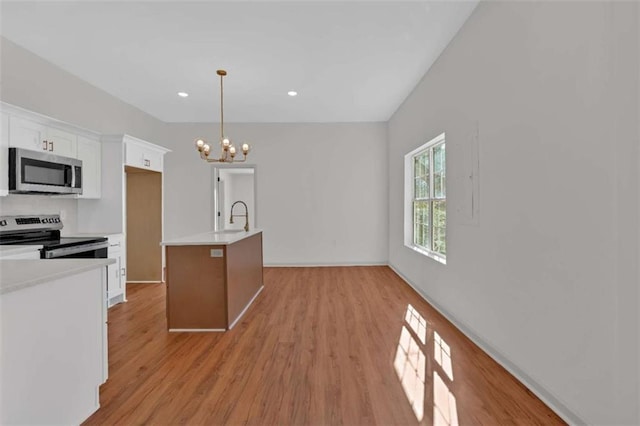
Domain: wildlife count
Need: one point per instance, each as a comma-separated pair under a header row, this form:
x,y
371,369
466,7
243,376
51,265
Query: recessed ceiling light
x,y
183,94
292,93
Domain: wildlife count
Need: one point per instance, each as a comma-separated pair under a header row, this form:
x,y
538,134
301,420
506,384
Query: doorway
x,y
144,225
234,183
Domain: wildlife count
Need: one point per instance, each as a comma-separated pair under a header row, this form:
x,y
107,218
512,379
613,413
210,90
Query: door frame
x,y
216,193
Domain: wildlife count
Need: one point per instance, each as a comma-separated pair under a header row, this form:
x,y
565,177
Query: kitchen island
x,y
212,279
53,339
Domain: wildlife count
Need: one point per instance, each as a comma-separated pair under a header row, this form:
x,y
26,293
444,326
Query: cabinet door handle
x,y
147,163
122,271
45,145
51,146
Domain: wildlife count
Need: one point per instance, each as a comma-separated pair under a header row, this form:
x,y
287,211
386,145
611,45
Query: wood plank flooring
x,y
319,346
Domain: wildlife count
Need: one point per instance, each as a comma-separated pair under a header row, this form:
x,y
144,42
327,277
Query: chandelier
x,y
227,150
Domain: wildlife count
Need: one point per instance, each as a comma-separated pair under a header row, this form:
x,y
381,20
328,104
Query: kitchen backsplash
x,y
20,204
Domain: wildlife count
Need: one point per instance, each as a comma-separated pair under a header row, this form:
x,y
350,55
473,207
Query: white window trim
x,y
408,200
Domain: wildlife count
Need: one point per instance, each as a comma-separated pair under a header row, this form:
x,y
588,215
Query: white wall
x,y
322,195
33,83
321,189
546,279
30,82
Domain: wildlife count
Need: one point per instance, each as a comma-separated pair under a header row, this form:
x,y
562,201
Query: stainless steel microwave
x,y
33,172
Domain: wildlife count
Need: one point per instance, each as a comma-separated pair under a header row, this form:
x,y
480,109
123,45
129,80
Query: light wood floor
x,y
321,346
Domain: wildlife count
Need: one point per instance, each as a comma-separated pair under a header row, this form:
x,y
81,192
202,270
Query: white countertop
x,y
212,238
18,274
10,250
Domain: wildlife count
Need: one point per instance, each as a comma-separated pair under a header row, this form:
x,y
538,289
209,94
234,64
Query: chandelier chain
x,y
228,150
221,109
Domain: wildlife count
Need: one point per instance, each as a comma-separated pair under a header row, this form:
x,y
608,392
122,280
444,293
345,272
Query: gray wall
x,y
545,279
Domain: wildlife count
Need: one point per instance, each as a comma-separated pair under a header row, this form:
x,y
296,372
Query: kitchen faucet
x,y
246,214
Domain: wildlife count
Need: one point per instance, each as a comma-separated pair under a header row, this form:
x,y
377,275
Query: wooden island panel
x,y
209,286
195,288
244,274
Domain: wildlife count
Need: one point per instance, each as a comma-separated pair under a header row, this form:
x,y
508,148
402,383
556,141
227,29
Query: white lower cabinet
x,y
117,272
54,348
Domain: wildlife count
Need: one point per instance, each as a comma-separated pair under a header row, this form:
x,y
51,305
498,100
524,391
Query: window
x,y
426,201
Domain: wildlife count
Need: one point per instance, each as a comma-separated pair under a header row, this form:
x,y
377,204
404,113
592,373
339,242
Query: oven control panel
x,y
30,223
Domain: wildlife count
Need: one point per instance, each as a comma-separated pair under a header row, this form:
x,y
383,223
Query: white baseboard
x,y
322,264
116,300
545,396
144,282
246,307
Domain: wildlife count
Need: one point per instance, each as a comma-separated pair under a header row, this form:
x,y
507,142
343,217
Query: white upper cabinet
x,y
27,134
28,130
32,135
89,151
61,143
4,154
143,155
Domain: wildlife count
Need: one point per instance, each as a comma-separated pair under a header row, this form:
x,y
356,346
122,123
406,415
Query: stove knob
x,y
3,223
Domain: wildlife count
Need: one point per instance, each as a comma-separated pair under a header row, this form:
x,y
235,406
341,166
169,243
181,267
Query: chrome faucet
x,y
246,214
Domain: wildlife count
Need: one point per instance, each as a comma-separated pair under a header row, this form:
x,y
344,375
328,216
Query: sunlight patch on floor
x,y
410,365
417,323
445,411
442,354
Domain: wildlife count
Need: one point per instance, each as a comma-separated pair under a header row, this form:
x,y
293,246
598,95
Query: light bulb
x,y
206,149
245,148
225,142
199,144
232,150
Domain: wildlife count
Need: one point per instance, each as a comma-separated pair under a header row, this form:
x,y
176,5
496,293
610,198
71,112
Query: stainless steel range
x,y
44,230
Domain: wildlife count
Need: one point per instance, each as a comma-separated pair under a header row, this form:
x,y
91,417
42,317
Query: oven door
x,y
86,251
40,172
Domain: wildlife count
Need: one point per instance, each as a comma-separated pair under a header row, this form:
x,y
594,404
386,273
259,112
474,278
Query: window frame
x,y
410,199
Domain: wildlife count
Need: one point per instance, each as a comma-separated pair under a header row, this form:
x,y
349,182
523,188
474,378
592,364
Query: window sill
x,y
433,255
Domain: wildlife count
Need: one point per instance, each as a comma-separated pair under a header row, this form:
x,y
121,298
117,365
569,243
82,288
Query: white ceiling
x,y
349,61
